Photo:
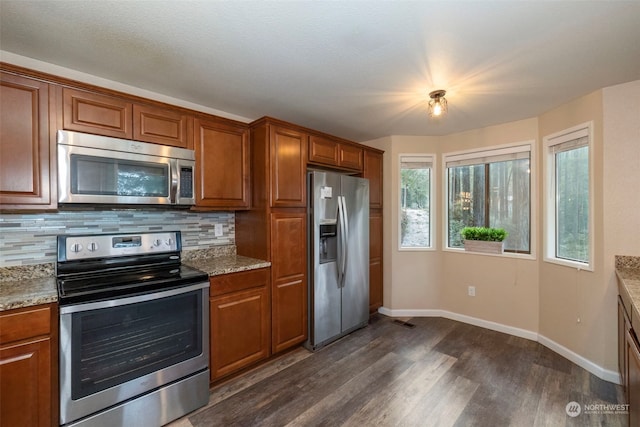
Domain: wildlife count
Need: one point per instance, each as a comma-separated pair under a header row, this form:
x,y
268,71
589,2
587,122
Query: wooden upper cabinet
x,y
162,126
95,113
222,165
288,153
350,157
27,149
328,152
373,172
322,150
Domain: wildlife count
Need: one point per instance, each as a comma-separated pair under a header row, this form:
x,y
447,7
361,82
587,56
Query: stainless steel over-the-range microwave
x,y
102,170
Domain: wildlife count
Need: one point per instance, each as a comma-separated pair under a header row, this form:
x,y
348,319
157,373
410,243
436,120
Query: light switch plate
x,y
218,230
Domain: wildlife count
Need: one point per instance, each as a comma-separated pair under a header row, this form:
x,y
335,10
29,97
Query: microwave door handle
x,y
173,191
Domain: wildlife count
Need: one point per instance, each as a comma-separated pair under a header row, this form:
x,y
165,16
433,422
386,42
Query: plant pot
x,y
483,246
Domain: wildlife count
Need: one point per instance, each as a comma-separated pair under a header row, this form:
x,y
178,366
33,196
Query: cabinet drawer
x,y
233,282
24,324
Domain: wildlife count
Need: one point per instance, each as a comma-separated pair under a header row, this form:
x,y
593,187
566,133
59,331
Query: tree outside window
x,y
572,204
490,189
415,201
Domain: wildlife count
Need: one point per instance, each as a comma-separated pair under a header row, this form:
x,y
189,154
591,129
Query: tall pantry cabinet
x,y
274,228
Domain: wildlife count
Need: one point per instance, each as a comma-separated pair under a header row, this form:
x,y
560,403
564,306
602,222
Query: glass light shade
x,y
437,106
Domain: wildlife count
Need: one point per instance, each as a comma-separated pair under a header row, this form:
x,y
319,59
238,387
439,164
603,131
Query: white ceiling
x,y
356,69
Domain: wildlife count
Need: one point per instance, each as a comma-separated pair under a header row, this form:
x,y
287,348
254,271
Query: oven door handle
x,y
76,308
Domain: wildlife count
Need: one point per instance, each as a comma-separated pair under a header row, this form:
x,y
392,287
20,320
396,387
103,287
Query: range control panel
x,y
72,248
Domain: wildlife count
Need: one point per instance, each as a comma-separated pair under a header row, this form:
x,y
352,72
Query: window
x,y
416,204
568,190
490,188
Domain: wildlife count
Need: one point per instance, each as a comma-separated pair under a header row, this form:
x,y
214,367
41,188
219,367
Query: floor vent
x,y
405,324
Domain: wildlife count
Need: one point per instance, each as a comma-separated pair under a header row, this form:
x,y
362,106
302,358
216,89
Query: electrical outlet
x,y
472,291
218,230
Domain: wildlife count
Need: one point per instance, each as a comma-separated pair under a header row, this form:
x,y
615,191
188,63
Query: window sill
x,y
429,249
502,255
571,264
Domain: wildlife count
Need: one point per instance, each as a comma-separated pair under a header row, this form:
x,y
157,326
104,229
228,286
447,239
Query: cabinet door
x,y
239,330
25,384
288,152
331,153
28,366
222,165
162,126
375,262
27,152
623,326
373,172
633,378
289,280
350,157
95,113
323,151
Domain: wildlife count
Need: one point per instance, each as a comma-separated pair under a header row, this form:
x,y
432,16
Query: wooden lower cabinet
x,y
633,377
623,326
375,261
289,279
240,324
28,367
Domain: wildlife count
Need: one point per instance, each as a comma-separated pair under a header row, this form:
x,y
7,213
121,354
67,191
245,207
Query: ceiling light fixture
x,y
438,103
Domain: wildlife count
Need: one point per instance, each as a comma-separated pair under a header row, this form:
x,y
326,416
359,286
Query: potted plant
x,y
484,239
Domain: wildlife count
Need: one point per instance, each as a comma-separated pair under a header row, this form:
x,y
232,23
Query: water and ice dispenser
x,y
328,242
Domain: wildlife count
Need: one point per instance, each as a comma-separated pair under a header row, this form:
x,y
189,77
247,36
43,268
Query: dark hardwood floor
x,y
437,373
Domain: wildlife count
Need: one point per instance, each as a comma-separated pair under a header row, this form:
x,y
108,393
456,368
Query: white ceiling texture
x,y
356,69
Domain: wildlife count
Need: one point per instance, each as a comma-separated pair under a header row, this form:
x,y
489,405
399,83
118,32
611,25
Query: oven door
x,y
112,351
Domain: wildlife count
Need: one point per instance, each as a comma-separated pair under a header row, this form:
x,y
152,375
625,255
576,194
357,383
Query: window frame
x,y
432,203
489,151
549,166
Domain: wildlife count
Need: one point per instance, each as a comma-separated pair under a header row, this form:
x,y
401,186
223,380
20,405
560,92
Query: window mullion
x,y
487,195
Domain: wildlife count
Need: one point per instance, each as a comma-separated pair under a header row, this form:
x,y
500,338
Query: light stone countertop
x,y
628,272
226,264
25,286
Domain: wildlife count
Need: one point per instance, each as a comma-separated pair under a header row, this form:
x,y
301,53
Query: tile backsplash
x,y
27,239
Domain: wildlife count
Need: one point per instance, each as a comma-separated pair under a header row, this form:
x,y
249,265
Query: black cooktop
x,y
108,284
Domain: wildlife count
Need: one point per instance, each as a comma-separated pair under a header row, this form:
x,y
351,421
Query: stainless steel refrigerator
x,y
338,213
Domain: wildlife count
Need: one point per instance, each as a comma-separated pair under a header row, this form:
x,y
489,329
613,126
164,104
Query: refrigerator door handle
x,y
340,262
345,254
339,254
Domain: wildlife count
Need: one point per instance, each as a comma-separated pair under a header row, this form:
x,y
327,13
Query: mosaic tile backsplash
x,y
27,239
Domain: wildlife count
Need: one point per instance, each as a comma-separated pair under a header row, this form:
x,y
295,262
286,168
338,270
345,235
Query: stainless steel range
x,y
134,330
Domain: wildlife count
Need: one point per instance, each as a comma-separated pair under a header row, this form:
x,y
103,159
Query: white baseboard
x,y
599,371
